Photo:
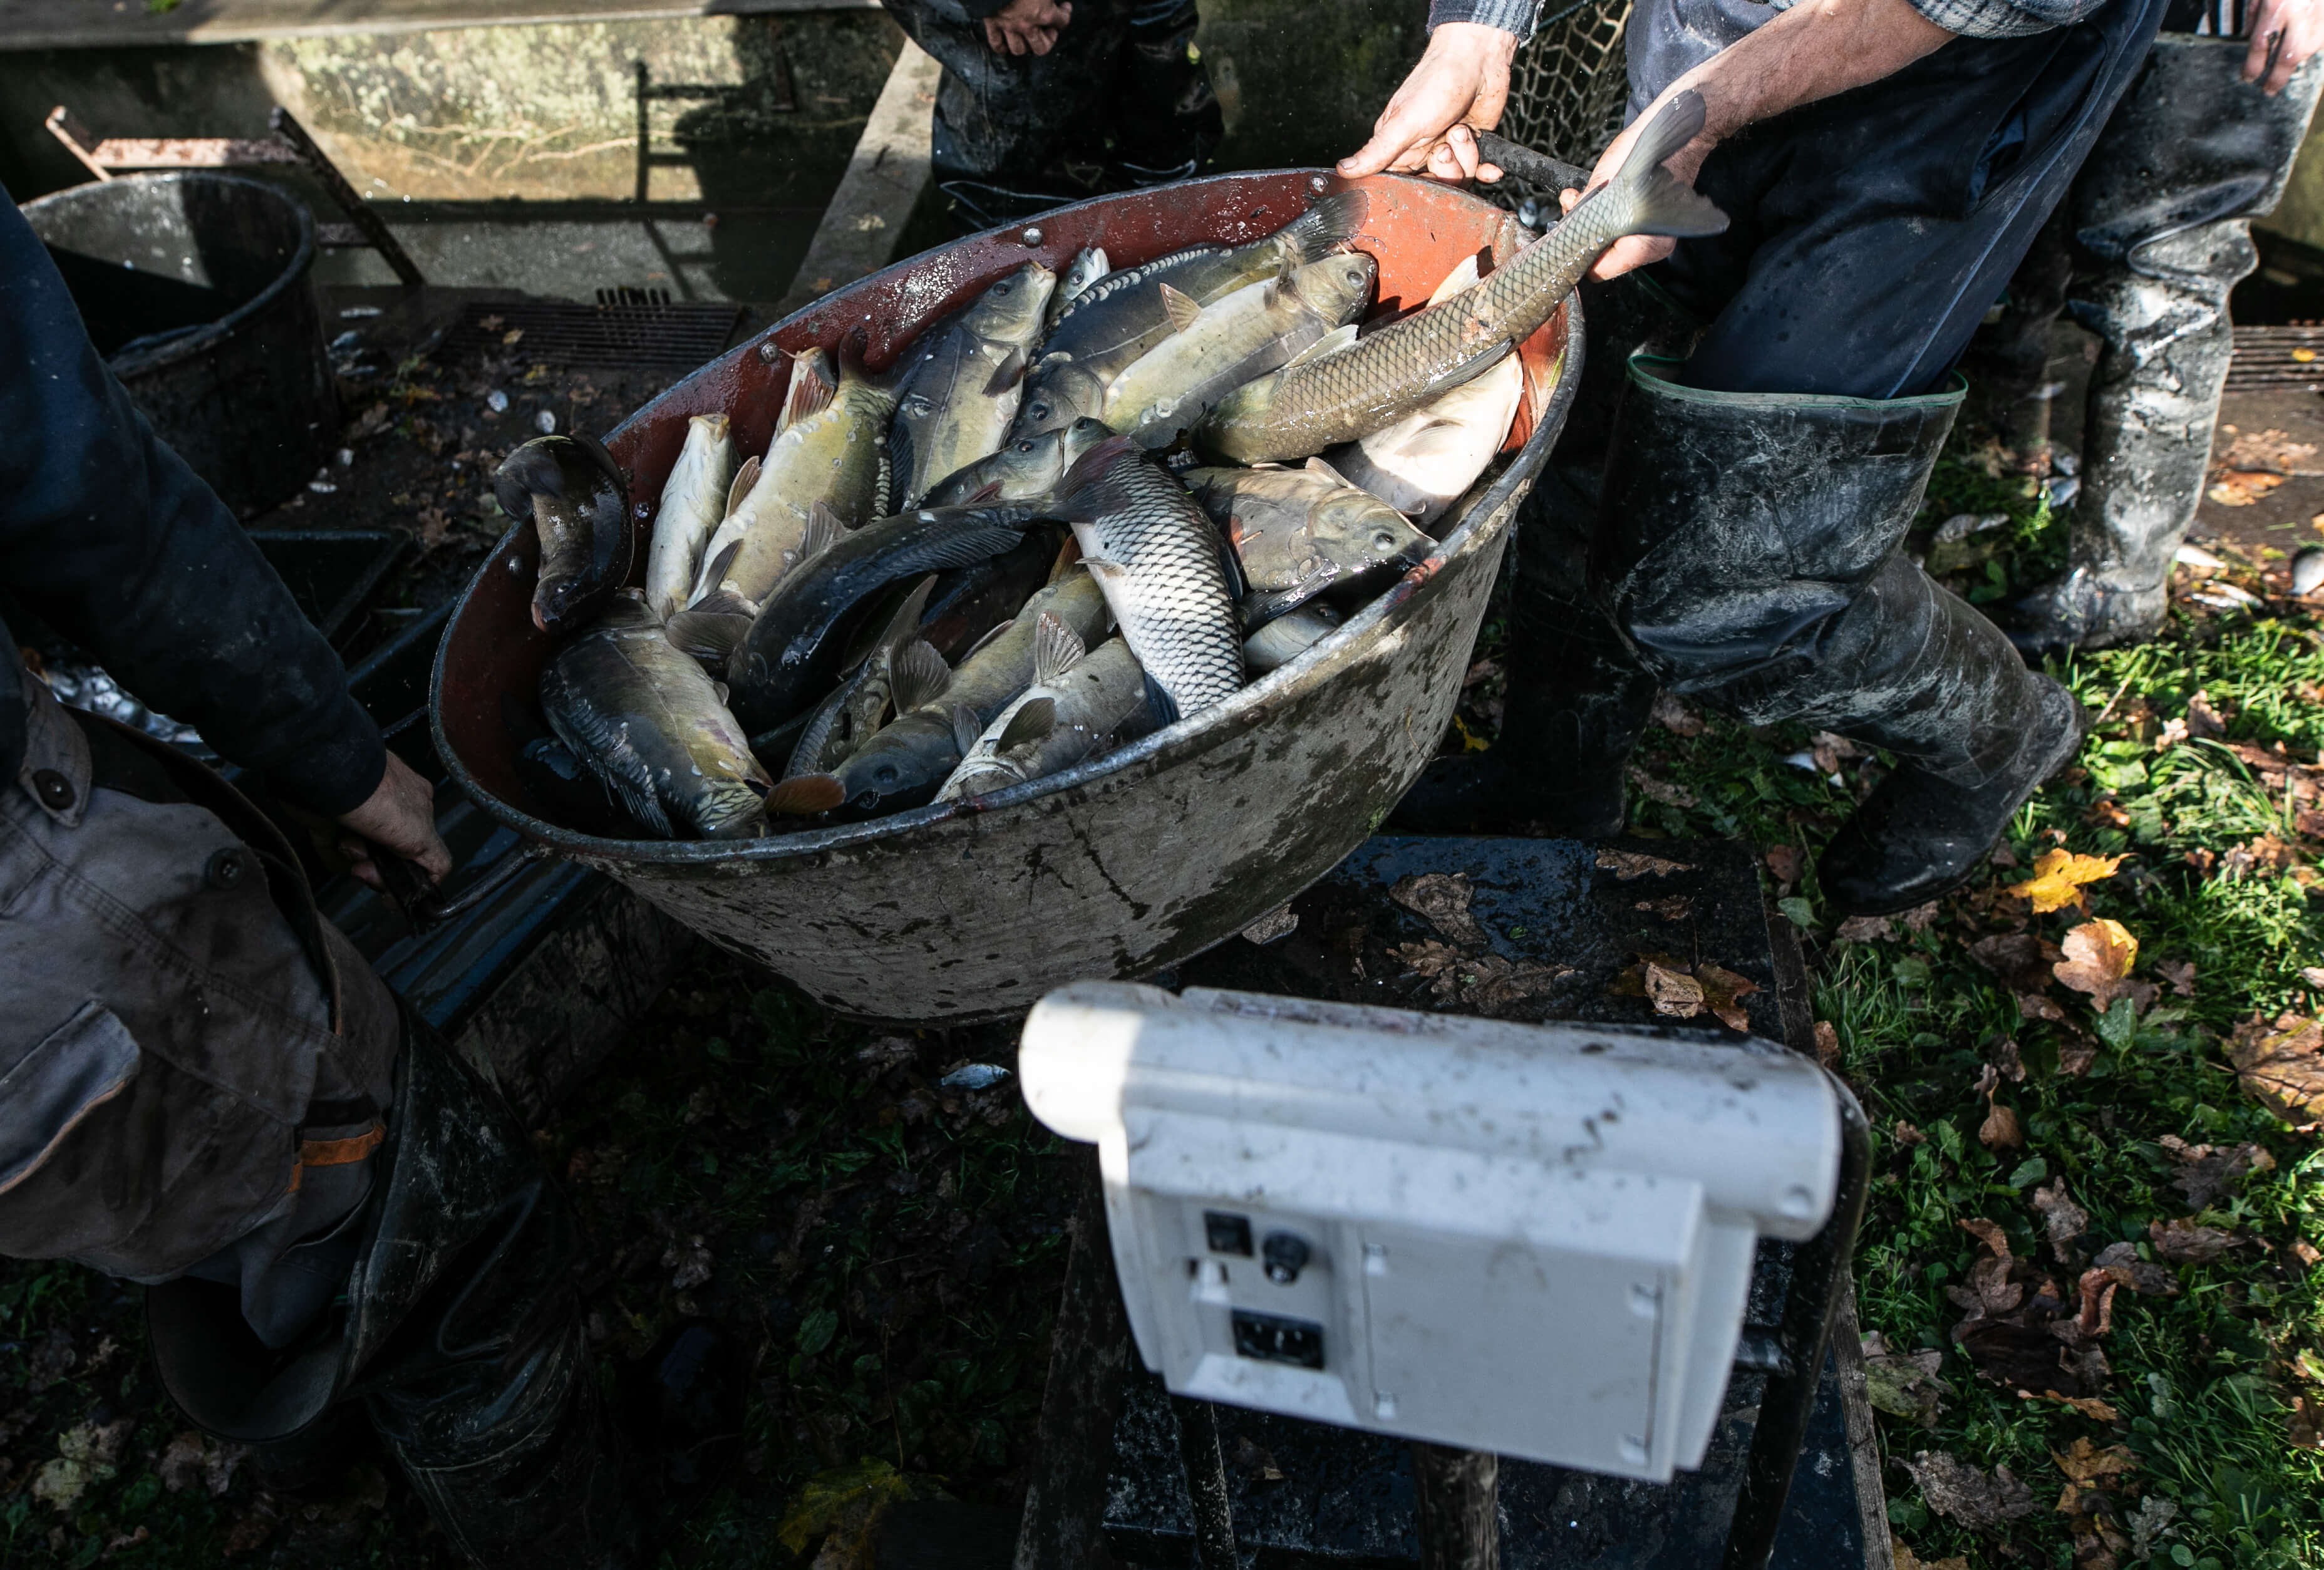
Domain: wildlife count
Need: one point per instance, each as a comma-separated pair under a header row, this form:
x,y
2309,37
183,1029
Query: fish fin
x,y
1056,648
822,532
1464,374
1459,281
746,478
963,546
807,754
1655,201
804,795
1159,702
1008,373
1069,555
916,676
1032,722
1327,226
715,573
813,385
720,687
907,619
978,646
965,729
1103,568
1317,465
1090,465
1179,307
1331,343
712,631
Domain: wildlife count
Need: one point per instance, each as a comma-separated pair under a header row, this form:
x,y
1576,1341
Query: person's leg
x,y
2160,217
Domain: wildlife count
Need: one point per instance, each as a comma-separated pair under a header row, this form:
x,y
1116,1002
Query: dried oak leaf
x,y
1989,1291
1442,900
2206,1172
1723,992
1865,930
2180,974
1492,983
2098,956
1920,918
2086,1462
2062,1219
1673,991
1829,750
1827,1043
2282,1064
2000,1130
2058,878
2018,960
1670,908
1661,790
1961,1492
2090,1407
1785,862
1628,865
1435,961
2148,1279
1903,1384
2075,1053
2003,1054
1673,715
2184,1243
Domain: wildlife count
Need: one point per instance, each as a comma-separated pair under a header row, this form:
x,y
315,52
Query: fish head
x,y
1357,532
1011,311
713,427
1058,393
1338,288
900,765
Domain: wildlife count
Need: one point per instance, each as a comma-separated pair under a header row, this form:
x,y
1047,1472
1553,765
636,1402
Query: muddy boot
x,y
2162,215
1750,553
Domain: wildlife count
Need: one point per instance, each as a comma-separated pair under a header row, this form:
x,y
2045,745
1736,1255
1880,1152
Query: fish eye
x,y
885,774
1038,412
1383,541
1355,275
1026,446
999,289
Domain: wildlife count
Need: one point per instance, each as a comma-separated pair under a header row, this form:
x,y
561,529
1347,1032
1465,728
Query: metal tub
x,y
970,910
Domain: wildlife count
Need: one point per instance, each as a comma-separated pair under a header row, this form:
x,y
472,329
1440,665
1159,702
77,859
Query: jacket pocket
x,y
76,1069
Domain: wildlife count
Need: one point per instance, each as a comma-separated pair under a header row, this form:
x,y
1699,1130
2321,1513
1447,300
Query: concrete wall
x,y
1301,84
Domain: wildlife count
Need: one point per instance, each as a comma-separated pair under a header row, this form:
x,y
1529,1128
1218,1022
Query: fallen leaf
x,y
2242,487
1442,899
2090,1407
1628,865
2172,734
2002,1053
1673,715
2266,853
1257,1460
888,1052
194,1457
2180,974
2302,1426
1999,1131
1907,1560
2150,1524
1905,1134
2077,1052
1865,930
1906,1384
2058,878
253,1527
1959,1492
691,1261
1280,922
1920,918
2098,956
1670,908
2306,1252
1483,983
1673,992
1827,1044
1662,790
2120,1261
1785,863
2206,1172
491,324
1989,1289
2019,960
2264,450
2085,1461
2184,1243
2282,1064
2107,813
2204,723
1723,992
843,1506
2062,1219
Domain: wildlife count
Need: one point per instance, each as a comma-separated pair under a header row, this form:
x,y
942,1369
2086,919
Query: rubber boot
x,y
1577,698
2162,220
1750,553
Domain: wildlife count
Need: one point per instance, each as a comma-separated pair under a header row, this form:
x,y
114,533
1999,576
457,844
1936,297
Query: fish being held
x,y
1217,348
1288,637
1378,380
1124,314
647,720
579,505
902,764
692,504
789,654
825,474
1077,700
1163,568
965,375
1297,532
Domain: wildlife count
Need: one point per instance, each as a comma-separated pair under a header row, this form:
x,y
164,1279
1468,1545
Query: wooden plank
x,y
883,182
29,25
190,152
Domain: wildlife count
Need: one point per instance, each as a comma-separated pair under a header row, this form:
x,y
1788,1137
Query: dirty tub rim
x,y
210,334
1490,498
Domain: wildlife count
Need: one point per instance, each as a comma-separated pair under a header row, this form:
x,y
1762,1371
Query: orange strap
x,y
335,1152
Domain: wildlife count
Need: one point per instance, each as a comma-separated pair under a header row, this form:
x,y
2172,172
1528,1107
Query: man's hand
x,y
1457,90
400,816
1027,26
2283,32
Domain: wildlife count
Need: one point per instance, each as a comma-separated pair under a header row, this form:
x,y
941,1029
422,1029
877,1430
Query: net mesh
x,y
1569,85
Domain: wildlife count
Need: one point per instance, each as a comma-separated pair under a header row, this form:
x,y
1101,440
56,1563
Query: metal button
x,y
1285,1255
55,791
224,869
1032,236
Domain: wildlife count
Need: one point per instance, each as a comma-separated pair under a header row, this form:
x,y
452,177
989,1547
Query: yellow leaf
x,y
2098,956
2085,1462
2303,356
2058,876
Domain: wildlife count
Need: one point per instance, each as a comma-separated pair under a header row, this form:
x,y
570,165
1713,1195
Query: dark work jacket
x,y
105,532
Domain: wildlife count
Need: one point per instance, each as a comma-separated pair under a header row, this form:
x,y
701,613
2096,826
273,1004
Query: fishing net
x,y
1568,86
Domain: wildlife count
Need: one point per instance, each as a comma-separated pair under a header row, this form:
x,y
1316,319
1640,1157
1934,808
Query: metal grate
x,y
628,329
2277,357
1571,84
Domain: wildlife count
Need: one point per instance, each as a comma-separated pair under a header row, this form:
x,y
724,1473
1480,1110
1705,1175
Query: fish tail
x,y
1650,199
1327,226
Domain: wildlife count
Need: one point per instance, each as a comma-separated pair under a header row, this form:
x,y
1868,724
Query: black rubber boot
x,y
2161,223
1749,552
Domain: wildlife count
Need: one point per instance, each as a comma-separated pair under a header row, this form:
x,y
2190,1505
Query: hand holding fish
x,y
1458,89
2283,33
1812,50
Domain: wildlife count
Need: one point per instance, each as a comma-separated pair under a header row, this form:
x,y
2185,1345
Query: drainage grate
x,y
2277,357
627,328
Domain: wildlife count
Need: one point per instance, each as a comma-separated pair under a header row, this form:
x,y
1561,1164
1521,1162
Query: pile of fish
x,y
1073,512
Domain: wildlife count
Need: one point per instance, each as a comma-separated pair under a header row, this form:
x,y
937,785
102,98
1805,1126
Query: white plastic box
x,y
1531,1240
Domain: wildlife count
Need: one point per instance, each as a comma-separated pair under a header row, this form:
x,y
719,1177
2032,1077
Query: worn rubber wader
x,y
1749,552
2160,223
460,1332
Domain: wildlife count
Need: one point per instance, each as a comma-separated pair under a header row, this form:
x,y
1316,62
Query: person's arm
x,y
106,532
1458,87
